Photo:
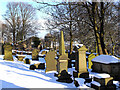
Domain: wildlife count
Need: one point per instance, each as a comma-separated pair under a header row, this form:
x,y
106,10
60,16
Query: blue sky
x,y
40,15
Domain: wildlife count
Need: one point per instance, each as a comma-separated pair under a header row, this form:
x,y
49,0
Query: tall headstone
x,y
51,63
8,52
62,45
90,57
35,54
62,62
81,65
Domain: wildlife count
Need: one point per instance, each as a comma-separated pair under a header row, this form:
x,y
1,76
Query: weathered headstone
x,y
51,62
90,57
8,52
81,65
35,54
62,62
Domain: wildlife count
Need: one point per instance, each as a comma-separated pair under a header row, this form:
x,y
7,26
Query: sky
x,y
40,15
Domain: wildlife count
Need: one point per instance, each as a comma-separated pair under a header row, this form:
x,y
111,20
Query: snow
x,y
103,75
116,83
106,59
97,75
40,53
81,83
96,83
16,74
20,55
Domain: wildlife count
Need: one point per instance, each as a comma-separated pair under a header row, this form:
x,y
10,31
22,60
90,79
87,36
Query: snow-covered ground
x,y
16,74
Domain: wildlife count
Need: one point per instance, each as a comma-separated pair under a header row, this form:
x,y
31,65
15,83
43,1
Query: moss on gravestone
x,y
8,52
35,54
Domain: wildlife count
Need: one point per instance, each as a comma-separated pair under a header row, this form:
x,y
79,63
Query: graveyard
x,y
27,69
60,45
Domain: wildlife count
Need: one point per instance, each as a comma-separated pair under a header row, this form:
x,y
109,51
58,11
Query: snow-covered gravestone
x,y
50,61
8,52
81,65
107,64
102,82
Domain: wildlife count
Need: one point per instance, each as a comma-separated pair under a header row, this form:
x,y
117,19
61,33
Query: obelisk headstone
x,y
62,62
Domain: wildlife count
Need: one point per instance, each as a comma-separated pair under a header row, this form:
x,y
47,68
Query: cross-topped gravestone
x,y
50,61
8,52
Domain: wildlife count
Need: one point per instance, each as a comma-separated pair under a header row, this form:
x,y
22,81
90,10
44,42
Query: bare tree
x,y
20,17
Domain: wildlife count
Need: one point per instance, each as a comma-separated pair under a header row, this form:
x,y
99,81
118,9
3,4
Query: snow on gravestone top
x,y
102,75
96,83
106,59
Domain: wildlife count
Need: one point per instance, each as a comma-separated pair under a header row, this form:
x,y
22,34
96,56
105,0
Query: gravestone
x,y
62,62
27,61
50,61
81,65
104,83
90,57
8,52
35,54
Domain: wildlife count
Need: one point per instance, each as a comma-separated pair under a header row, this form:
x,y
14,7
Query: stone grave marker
x,y
62,62
50,61
90,57
81,65
8,52
27,61
35,54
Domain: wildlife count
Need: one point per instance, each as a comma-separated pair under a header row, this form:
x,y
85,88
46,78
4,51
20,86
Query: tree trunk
x,y
71,36
96,30
102,29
